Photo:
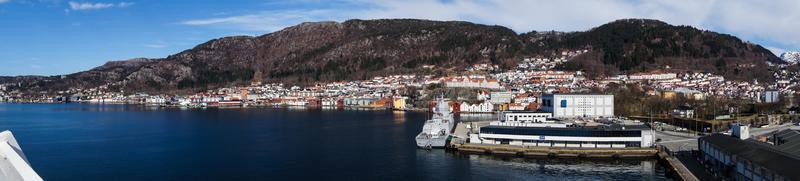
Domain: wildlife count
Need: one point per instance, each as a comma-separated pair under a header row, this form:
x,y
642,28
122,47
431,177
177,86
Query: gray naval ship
x,y
437,129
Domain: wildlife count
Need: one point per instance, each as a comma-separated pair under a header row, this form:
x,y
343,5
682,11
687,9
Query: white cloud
x,y
77,6
775,50
35,66
124,4
4,1
267,21
775,22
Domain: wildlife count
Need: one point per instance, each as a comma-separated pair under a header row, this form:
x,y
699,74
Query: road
x,y
762,131
677,141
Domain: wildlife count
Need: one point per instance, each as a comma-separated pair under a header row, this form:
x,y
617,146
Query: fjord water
x,y
129,142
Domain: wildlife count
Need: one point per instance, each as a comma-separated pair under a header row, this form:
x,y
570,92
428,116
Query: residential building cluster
x,y
518,89
472,81
550,62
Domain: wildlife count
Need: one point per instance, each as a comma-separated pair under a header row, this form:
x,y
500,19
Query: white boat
x,y
436,130
14,166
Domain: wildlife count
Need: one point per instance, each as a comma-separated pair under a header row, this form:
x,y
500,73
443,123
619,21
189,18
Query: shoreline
x,y
249,106
508,150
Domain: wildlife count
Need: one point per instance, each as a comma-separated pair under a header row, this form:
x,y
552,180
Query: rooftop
x,y
763,154
788,141
612,127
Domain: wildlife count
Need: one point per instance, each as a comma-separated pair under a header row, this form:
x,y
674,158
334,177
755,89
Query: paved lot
x,y
767,130
677,141
461,133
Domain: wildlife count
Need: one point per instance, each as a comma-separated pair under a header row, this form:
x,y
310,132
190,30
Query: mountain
x,y
635,45
791,57
359,49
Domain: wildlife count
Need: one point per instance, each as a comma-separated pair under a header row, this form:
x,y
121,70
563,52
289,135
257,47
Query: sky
x,y
55,37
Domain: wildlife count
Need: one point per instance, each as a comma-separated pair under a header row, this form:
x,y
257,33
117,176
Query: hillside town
x,y
651,113
480,88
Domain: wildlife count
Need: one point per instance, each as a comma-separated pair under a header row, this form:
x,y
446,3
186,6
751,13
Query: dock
x,y
460,133
533,151
675,166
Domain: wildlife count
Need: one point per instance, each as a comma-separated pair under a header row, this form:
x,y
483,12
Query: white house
x,y
484,107
472,82
653,76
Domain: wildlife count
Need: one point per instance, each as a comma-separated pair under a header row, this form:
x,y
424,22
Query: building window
x,y
563,103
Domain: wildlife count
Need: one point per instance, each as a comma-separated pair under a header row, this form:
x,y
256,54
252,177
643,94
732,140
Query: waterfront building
x,y
359,101
578,105
484,107
528,128
399,103
735,159
154,100
556,134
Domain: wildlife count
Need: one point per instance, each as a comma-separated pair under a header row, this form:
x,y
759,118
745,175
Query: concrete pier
x,y
675,165
509,150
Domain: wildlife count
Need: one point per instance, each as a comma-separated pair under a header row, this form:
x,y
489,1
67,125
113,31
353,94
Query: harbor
x,y
674,167
373,145
562,129
459,144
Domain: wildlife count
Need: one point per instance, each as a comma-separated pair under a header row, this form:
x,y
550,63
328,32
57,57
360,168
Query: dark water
x,y
118,142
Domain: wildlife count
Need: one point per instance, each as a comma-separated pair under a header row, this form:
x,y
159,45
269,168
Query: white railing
x,y
14,165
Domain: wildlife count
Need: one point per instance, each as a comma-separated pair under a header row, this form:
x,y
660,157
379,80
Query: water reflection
x,y
399,117
475,166
123,142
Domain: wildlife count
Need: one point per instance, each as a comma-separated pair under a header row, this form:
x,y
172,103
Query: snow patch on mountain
x,y
791,57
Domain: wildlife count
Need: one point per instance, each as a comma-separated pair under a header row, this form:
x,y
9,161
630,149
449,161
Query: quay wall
x,y
554,152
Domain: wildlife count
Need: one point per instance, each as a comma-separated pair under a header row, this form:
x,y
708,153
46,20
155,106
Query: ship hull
x,y
423,142
436,130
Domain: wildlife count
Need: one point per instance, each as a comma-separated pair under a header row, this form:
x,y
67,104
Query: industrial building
x,y
565,135
578,105
537,129
732,158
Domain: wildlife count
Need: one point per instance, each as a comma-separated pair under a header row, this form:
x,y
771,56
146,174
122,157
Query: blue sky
x,y
52,37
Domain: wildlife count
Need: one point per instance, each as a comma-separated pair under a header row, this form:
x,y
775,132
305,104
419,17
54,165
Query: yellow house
x,y
399,103
503,107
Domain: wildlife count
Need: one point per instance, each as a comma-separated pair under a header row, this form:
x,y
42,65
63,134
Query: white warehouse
x,y
578,105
